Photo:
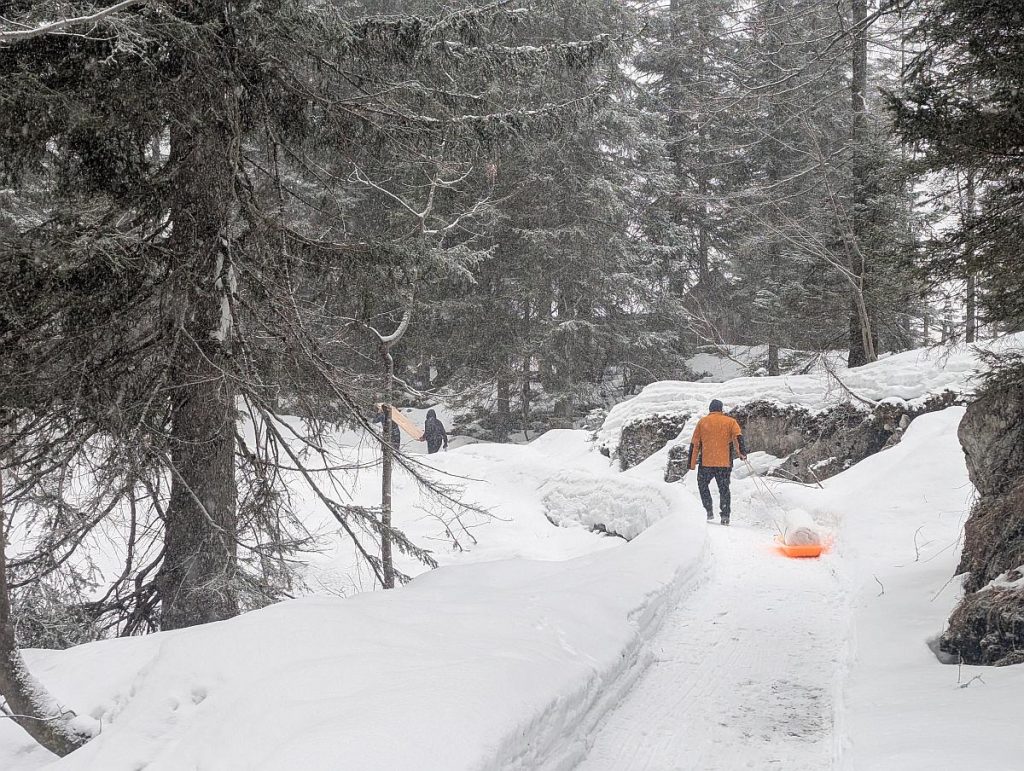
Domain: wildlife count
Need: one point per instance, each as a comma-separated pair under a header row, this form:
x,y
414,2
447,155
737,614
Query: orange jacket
x,y
716,441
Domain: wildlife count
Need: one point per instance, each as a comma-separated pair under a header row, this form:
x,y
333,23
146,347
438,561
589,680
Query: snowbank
x,y
620,505
909,377
902,513
477,666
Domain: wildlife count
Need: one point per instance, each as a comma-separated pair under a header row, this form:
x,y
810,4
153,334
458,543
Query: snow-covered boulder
x,y
820,421
615,505
644,437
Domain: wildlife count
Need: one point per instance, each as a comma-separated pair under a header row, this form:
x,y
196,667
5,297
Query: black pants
x,y
722,475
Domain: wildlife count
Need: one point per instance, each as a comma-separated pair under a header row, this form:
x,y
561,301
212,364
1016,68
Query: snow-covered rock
x,y
988,625
821,422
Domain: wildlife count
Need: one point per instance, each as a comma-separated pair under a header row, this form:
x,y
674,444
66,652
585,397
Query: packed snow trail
x,y
745,669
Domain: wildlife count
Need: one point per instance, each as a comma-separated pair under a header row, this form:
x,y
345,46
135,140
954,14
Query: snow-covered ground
x,y
812,664
726,362
692,646
525,635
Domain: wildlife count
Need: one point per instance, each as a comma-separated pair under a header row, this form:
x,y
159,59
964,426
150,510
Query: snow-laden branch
x,y
53,27
395,336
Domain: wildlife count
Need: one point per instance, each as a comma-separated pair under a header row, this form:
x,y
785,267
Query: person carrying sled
x,y
434,434
383,413
717,441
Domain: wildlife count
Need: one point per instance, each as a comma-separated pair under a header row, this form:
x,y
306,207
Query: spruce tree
x,y
963,110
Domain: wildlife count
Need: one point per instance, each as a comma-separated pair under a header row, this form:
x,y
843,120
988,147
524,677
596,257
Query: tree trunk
x,y
525,395
387,472
504,409
862,345
971,332
25,699
773,360
197,581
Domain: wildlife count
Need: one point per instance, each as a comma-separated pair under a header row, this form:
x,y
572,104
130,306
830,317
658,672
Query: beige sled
x,y
405,424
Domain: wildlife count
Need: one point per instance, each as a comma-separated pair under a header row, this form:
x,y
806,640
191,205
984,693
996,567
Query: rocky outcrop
x,y
678,463
988,625
642,438
819,445
816,445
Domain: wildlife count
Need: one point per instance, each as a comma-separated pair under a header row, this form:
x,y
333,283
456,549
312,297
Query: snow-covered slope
x,y
909,377
540,646
482,665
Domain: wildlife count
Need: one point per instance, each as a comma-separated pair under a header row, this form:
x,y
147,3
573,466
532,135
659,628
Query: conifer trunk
x,y
971,332
387,471
862,345
504,408
197,578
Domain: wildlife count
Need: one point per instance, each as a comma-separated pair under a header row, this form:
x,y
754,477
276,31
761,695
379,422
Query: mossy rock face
x,y
992,435
987,627
678,463
821,444
642,438
815,445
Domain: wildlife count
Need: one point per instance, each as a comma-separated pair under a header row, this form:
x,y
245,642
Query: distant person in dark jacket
x,y
717,441
434,433
384,412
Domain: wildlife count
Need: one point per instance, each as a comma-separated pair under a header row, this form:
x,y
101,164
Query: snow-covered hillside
x,y
508,652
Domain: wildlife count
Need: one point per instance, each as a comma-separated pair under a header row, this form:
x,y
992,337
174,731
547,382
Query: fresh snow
x,y
546,646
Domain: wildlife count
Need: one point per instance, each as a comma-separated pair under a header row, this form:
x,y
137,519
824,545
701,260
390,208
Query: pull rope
x,y
761,487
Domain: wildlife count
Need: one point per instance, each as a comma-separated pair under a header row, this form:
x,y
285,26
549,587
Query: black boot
x,y
711,515
725,518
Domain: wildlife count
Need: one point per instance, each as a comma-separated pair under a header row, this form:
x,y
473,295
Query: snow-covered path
x,y
745,671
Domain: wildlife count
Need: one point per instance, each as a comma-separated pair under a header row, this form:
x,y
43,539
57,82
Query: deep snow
x,y
471,666
693,646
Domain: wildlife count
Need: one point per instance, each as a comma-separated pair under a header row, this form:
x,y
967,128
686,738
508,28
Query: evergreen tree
x,y
963,109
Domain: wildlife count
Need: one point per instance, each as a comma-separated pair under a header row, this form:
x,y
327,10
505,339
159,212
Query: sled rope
x,y
761,487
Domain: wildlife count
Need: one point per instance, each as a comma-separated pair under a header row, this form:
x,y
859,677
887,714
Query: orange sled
x,y
803,550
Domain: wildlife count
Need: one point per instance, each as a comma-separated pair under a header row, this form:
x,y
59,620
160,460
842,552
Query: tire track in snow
x,y
743,672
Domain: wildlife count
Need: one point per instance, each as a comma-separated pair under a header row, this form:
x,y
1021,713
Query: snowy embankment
x,y
910,377
479,666
901,515
487,665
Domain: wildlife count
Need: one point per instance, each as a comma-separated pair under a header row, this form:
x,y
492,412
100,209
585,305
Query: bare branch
x,y
53,27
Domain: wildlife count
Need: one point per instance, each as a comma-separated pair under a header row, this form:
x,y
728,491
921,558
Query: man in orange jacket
x,y
716,442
